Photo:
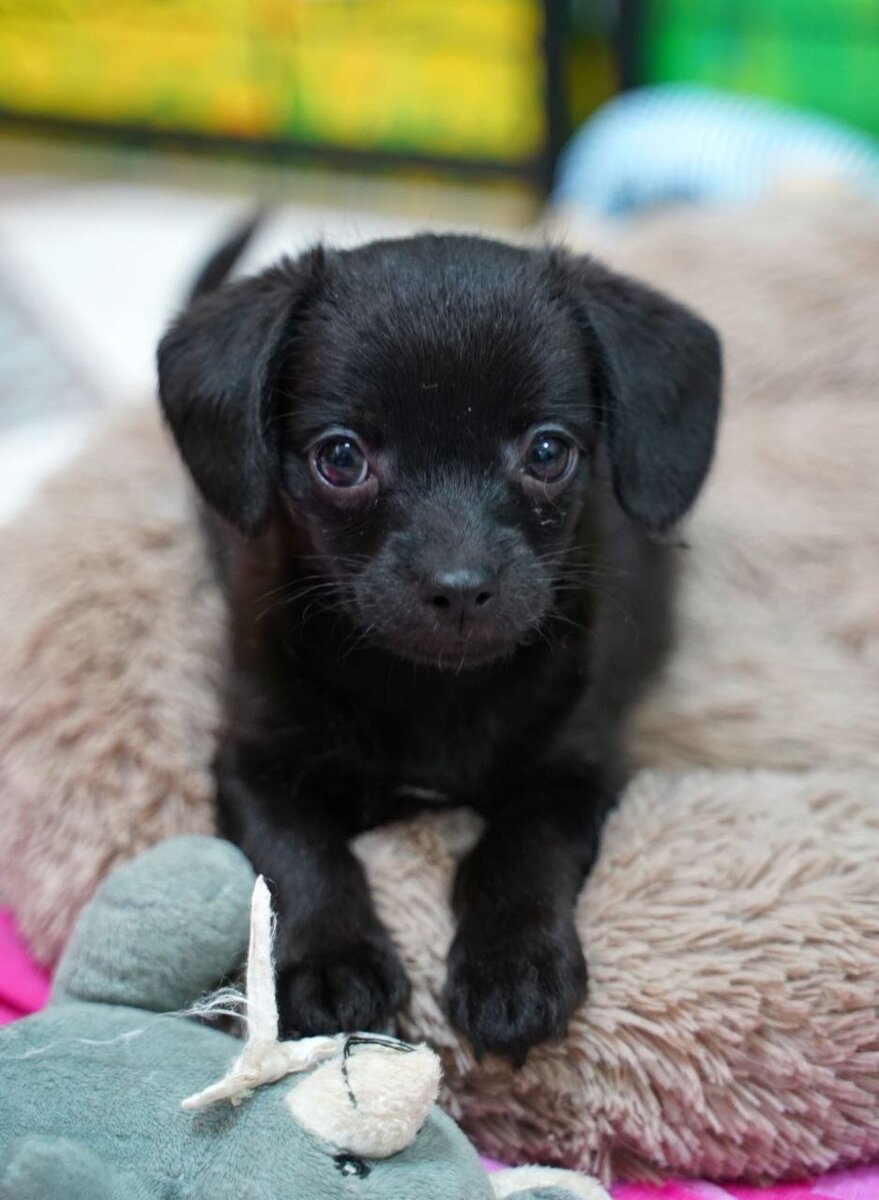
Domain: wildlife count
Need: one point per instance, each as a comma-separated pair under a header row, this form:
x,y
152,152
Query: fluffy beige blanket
x,y
732,924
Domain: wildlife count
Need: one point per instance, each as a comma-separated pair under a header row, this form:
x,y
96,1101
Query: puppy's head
x,y
426,414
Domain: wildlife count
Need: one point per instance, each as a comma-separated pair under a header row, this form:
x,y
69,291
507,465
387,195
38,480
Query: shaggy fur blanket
x,y
732,923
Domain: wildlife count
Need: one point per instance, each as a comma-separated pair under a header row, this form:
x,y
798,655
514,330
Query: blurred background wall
x,y
133,132
479,85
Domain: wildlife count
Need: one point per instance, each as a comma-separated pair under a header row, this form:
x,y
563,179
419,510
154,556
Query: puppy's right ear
x,y
218,365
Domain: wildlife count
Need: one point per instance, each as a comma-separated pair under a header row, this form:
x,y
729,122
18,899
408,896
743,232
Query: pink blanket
x,y
24,988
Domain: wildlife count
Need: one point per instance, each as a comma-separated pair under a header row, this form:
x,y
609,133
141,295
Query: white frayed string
x,y
225,1002
262,1006
264,1058
113,1041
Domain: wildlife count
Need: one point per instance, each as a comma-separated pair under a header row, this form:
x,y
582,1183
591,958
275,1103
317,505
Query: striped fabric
x,y
678,142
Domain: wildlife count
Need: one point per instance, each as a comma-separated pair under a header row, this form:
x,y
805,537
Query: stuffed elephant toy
x,y
114,1092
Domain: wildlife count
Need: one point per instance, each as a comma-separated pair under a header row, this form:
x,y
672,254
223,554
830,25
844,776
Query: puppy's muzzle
x,y
461,597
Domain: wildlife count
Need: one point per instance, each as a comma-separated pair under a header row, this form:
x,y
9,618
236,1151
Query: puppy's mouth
x,y
458,635
452,654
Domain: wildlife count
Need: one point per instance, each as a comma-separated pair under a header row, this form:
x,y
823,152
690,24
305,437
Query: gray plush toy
x,y
111,1094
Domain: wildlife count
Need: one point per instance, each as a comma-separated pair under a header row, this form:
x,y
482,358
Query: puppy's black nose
x,y
459,596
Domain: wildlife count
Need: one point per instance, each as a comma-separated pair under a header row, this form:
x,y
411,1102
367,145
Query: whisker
x,y
326,588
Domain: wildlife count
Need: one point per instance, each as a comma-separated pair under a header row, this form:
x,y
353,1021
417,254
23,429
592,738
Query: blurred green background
x,y
821,55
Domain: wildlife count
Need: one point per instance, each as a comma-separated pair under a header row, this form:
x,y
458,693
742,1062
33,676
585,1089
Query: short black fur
x,y
436,470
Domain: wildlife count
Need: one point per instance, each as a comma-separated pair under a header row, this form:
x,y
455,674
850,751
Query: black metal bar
x,y
558,120
628,42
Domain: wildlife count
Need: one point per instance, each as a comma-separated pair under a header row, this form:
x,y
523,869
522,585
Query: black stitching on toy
x,y
356,1040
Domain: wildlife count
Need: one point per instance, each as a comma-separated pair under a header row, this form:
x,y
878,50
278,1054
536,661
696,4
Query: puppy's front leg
x,y
337,969
516,969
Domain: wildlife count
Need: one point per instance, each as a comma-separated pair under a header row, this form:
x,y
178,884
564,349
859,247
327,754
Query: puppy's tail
x,y
218,267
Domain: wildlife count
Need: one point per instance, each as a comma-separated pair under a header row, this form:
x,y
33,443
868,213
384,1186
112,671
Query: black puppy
x,y
436,468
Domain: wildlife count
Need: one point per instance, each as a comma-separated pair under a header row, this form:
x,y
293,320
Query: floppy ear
x,y
657,370
217,367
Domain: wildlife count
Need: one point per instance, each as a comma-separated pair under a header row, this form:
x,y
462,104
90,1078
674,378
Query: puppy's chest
x,y
444,755
448,747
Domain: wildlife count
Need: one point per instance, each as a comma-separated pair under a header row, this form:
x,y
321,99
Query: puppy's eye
x,y
351,1167
549,457
340,462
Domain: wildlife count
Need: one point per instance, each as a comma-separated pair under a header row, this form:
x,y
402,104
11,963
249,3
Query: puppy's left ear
x,y
217,366
657,372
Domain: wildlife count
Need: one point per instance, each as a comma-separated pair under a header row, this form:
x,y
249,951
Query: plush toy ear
x,y
545,1183
161,929
217,366
657,371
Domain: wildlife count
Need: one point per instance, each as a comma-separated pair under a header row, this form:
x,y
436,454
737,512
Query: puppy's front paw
x,y
345,989
507,992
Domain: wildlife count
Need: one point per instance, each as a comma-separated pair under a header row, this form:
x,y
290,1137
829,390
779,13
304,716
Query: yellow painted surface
x,y
456,77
